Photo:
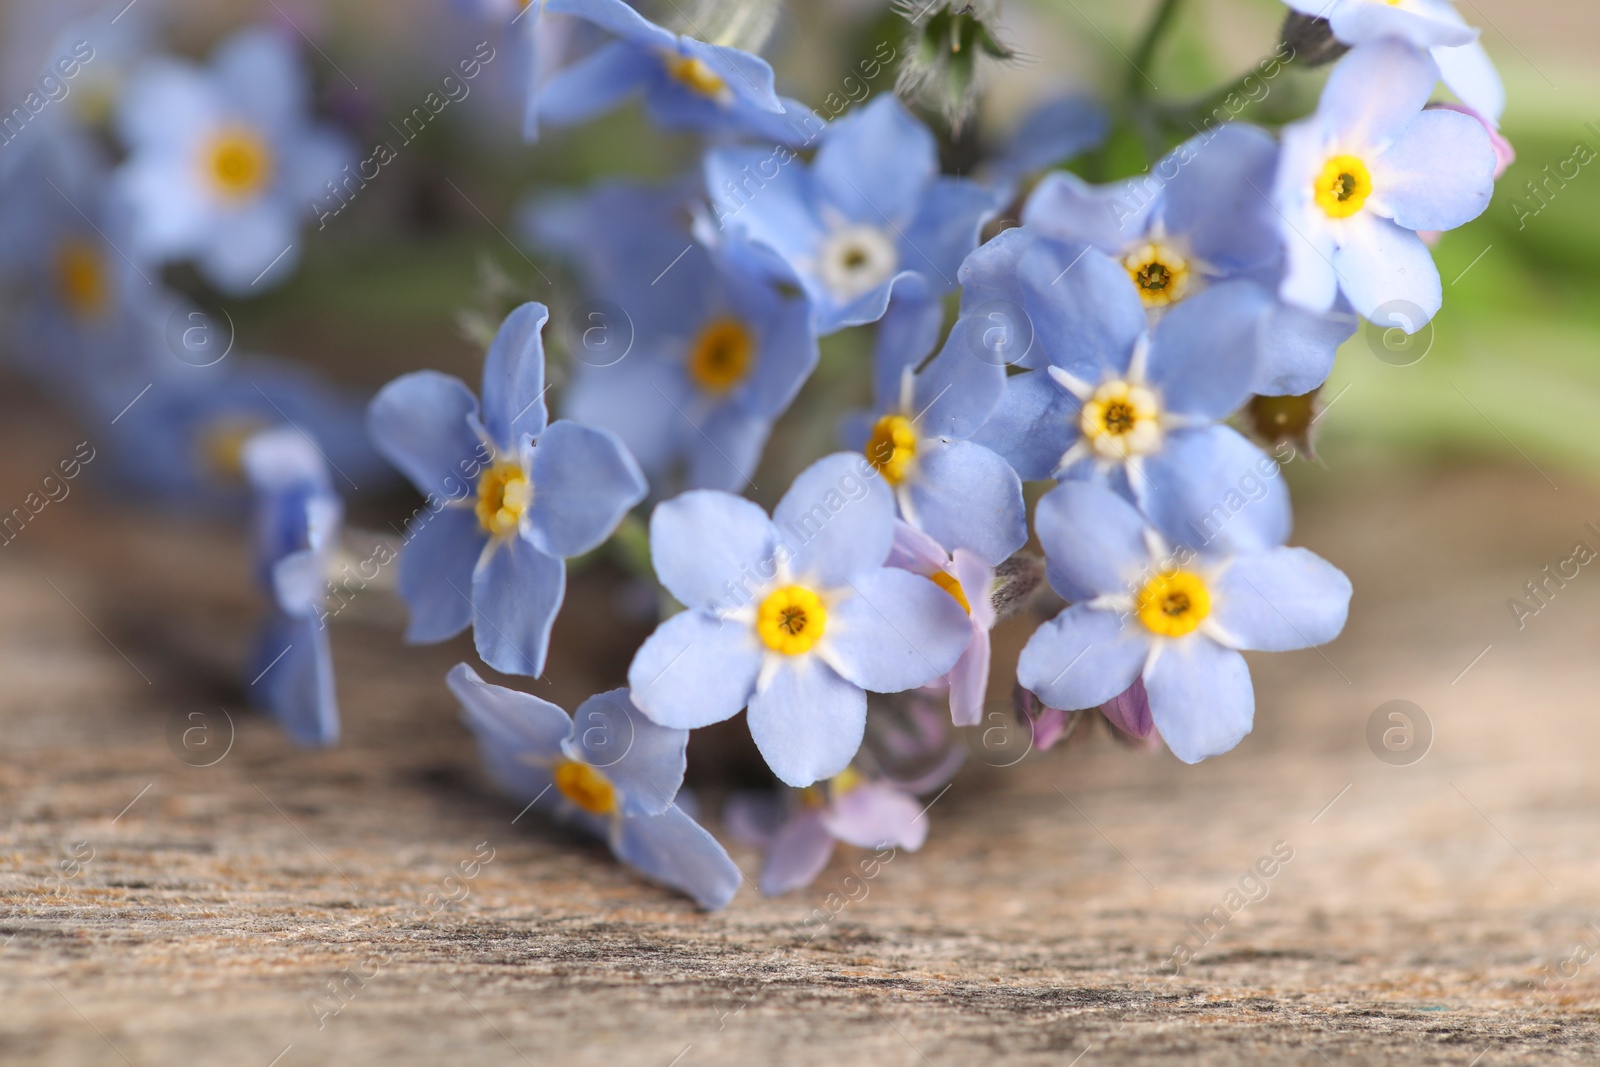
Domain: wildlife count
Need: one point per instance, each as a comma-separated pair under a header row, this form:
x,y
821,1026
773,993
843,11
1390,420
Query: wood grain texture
x,y
1421,919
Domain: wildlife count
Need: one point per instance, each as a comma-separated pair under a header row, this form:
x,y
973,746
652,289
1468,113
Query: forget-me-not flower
x,y
1434,25
1201,216
298,519
223,161
609,771
796,616
686,83
870,207
1117,401
960,493
517,495
718,352
1371,167
1144,606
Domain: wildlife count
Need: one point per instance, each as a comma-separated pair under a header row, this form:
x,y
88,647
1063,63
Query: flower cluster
x,y
1044,360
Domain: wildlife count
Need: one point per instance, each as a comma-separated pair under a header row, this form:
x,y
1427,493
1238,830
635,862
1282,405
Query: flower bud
x,y
1312,39
947,41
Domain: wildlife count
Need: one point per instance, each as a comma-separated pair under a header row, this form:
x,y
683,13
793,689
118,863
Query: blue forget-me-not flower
x,y
609,770
796,616
517,495
222,161
1145,605
1367,170
870,207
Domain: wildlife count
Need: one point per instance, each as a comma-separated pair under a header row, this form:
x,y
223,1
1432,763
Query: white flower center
x,y
856,259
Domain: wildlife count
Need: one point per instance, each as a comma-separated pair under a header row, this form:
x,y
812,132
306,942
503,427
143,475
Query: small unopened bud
x,y
1280,419
947,42
1015,582
1050,726
1312,39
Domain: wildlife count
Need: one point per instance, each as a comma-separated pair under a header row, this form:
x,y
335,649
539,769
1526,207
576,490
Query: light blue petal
x,y
421,422
836,520
727,449
807,721
1204,351
1110,217
1357,22
1282,600
788,349
1053,132
436,564
1216,198
1086,314
876,163
644,761
748,77
251,250
163,105
678,852
1093,541
641,400
703,540
1380,263
1082,658
1200,698
908,331
595,84
945,229
292,676
1212,490
768,204
584,482
513,377
1309,280
1297,349
1470,74
616,17
518,733
966,496
695,670
959,389
896,631
1438,175
516,593
1033,426
797,854
989,273
1375,92
259,70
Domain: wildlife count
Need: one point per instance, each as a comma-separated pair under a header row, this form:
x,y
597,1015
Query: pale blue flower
x,y
1116,401
509,497
1371,167
686,83
1434,25
715,352
870,208
1201,216
298,518
609,771
1150,605
795,616
223,161
961,494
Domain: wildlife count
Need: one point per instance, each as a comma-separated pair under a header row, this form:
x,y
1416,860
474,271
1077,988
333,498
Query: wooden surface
x,y
1422,918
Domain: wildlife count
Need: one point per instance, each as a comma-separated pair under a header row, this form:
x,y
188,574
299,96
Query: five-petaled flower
x,y
796,616
608,770
516,496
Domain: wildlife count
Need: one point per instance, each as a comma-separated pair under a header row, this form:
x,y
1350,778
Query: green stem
x,y
1139,82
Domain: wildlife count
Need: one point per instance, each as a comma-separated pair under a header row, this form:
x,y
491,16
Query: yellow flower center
x,y
791,620
220,446
892,448
80,277
693,74
721,357
952,585
586,787
504,493
1175,604
1343,186
1121,420
238,163
1159,273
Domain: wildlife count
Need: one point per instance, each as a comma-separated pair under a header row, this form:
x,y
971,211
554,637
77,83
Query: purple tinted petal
x,y
797,854
872,815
